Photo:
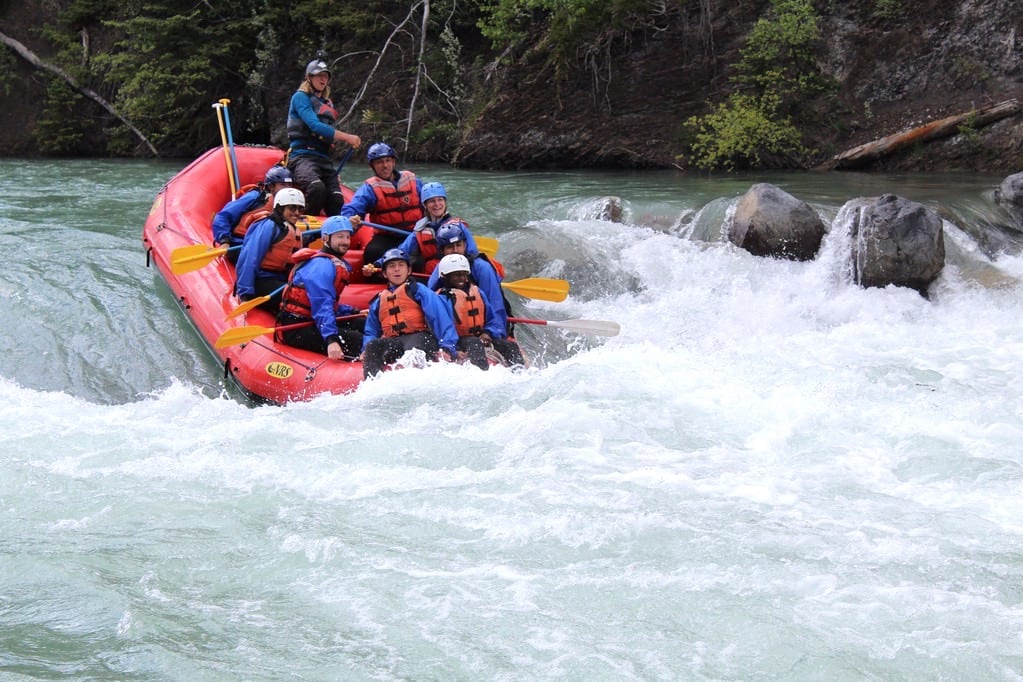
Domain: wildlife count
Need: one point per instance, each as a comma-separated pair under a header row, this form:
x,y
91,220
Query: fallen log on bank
x,y
35,61
945,127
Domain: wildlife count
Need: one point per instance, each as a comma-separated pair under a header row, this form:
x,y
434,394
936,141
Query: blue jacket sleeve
x,y
301,107
439,317
490,284
254,247
228,217
372,330
318,278
410,246
363,201
434,280
470,243
491,324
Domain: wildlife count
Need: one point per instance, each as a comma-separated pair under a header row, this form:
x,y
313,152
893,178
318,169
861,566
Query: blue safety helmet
x,y
431,190
278,175
334,224
379,150
449,234
316,66
393,254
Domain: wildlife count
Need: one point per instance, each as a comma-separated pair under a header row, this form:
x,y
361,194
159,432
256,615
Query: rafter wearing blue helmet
x,y
312,134
314,291
404,316
390,196
421,245
231,222
451,239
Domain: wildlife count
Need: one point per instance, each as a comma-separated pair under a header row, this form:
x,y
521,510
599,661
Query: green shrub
x,y
777,71
740,132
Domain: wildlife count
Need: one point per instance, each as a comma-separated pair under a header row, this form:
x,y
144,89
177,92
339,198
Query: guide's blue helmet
x,y
431,190
449,234
379,150
393,254
278,175
334,224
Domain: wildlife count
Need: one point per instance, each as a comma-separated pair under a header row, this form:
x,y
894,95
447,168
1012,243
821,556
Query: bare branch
x,y
380,57
32,59
419,72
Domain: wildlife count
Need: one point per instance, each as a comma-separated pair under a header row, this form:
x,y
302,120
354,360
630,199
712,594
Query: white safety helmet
x,y
453,262
289,196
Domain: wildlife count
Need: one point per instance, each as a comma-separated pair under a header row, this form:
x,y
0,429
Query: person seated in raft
x,y
487,277
391,196
421,245
475,322
314,292
265,258
404,316
232,222
311,132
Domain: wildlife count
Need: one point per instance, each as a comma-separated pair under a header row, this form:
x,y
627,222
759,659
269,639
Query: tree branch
x,y
419,72
32,59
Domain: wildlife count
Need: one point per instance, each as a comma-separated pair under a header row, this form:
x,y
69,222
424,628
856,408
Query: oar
x,y
486,245
223,138
230,141
239,335
344,160
189,258
540,288
596,327
253,303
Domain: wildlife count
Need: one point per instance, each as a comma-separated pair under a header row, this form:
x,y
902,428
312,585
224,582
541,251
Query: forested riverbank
x,y
526,83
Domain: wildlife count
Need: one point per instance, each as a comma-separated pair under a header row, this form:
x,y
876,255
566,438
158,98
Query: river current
x,y
770,474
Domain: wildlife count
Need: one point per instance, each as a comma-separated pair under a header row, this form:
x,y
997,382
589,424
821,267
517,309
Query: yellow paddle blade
x,y
189,258
555,290
246,307
487,245
239,335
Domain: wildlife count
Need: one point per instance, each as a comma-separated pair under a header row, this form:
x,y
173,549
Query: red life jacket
x,y
396,206
295,299
399,313
470,310
286,242
245,190
253,216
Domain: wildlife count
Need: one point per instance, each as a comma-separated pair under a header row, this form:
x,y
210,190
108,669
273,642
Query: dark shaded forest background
x,y
691,84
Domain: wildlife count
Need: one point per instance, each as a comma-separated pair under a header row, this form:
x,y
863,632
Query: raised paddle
x,y
596,327
239,335
230,142
486,245
253,303
219,108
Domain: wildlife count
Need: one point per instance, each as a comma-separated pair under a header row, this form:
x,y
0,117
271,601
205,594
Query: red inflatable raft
x,y
181,217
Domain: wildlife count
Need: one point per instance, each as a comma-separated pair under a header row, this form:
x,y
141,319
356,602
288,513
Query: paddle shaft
x,y
227,154
598,327
230,143
240,335
344,160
